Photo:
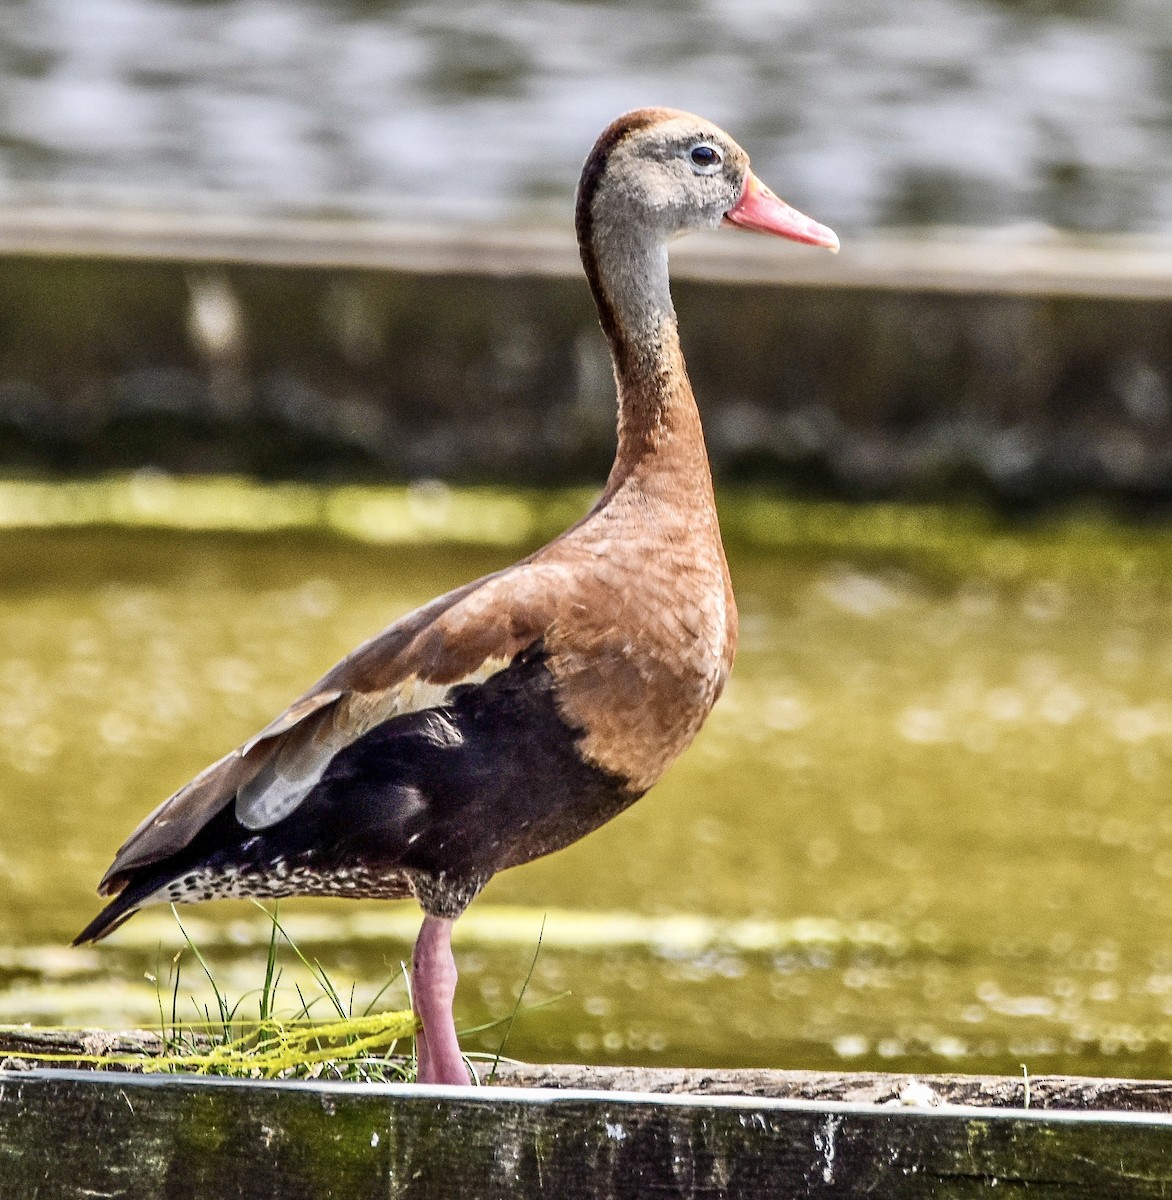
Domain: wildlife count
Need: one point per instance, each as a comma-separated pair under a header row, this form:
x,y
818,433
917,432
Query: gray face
x,y
677,175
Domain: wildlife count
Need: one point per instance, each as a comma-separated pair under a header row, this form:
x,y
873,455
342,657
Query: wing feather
x,y
306,751
289,775
293,715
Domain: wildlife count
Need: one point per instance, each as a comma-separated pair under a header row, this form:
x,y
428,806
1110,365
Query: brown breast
x,y
644,650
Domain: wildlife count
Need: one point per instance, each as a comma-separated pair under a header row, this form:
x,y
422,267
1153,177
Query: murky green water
x,y
926,827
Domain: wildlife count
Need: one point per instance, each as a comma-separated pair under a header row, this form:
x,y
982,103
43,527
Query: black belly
x,y
443,798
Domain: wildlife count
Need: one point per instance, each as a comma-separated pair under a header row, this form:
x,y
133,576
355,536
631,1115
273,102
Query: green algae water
x,y
927,826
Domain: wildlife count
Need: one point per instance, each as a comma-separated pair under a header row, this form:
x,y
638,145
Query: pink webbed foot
x,y
433,988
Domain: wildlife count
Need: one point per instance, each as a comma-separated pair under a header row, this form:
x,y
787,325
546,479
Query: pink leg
x,y
433,988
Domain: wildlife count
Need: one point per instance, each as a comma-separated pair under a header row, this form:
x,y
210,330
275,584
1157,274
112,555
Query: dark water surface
x,y
866,112
927,826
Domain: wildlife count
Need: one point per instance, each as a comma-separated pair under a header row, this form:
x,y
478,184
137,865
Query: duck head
x,y
671,172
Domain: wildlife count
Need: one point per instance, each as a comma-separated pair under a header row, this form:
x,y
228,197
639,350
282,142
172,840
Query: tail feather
x,y
135,887
120,909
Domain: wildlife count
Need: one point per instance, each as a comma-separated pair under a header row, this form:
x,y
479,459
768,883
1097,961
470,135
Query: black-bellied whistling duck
x,y
513,715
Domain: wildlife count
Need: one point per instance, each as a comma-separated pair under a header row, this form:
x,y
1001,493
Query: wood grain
x,y
577,1132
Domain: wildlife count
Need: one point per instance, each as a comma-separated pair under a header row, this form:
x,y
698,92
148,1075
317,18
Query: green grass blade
x,y
520,996
221,1000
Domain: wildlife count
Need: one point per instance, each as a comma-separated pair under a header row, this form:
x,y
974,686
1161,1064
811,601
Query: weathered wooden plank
x,y
20,1045
985,262
1038,1092
73,1134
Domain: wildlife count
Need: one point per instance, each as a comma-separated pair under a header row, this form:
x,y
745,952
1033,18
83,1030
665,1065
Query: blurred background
x,y
1042,112
292,337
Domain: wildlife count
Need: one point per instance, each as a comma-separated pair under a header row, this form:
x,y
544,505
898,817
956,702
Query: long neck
x,y
660,439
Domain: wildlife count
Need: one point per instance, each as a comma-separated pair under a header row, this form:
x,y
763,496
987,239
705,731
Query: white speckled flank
x,y
279,879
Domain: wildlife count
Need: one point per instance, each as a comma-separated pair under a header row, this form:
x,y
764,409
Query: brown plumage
x,y
511,716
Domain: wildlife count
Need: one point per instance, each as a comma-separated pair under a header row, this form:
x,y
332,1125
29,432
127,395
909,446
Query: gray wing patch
x,y
288,777
313,731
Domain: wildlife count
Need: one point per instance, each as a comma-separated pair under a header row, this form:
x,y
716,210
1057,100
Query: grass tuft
x,y
358,1046
284,1041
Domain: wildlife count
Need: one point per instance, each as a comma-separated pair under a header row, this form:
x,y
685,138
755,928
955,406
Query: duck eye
x,y
705,156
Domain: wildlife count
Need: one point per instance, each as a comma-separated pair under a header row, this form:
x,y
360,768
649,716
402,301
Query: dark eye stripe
x,y
705,156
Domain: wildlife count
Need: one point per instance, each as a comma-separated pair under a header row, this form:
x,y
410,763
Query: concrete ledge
x,y
977,366
992,262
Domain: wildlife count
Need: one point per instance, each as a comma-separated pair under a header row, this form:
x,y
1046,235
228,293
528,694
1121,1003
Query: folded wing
x,y
462,637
